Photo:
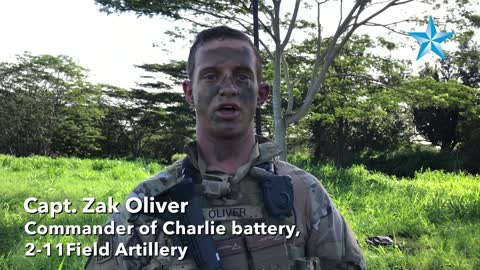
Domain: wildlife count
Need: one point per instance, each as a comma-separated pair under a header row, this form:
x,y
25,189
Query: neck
x,y
226,154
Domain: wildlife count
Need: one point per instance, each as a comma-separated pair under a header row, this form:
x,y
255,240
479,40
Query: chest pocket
x,y
241,209
244,205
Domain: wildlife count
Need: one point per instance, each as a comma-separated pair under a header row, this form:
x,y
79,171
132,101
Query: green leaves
x,y
171,8
151,121
43,97
442,109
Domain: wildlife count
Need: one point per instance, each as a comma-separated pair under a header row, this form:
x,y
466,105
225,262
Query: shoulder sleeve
x,y
329,236
150,187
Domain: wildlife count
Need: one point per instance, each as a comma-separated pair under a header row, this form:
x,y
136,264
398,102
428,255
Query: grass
x,y
56,180
434,216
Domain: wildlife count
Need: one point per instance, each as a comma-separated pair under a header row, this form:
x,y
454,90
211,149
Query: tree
x,y
450,115
43,107
180,125
151,121
443,111
79,128
467,60
360,109
463,63
272,24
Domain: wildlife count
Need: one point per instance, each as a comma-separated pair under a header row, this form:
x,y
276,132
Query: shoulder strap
x,y
189,170
268,166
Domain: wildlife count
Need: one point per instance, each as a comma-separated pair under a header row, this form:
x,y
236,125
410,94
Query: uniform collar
x,y
264,150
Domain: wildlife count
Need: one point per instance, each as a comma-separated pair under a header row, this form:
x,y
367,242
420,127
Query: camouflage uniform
x,y
325,237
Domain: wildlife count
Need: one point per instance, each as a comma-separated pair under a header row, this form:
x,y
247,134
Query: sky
x,y
110,45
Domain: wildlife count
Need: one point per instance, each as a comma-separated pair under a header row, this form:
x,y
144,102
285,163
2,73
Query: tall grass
x,y
56,180
434,217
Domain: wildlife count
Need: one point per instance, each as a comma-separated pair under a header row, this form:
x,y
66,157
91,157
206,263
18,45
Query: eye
x,y
210,77
243,77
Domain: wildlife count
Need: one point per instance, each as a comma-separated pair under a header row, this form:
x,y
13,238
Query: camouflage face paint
x,y
225,74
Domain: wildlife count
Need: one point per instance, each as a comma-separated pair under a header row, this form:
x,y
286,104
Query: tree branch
x,y
386,27
338,33
328,58
341,13
391,4
319,43
267,10
243,23
265,47
378,3
366,77
333,50
222,16
195,22
266,29
292,25
276,23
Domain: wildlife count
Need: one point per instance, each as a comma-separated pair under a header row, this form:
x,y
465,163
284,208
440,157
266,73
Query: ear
x,y
188,91
263,92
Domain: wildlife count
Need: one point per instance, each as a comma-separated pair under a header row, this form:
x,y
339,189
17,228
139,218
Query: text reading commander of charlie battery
x,y
236,177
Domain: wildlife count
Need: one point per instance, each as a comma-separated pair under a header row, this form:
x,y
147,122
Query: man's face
x,y
224,88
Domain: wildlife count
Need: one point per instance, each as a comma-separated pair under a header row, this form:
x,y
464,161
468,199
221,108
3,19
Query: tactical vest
x,y
225,201
241,201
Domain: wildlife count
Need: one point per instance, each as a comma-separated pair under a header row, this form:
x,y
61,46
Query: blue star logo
x,y
430,40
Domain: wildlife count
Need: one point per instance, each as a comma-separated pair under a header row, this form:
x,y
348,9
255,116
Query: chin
x,y
228,132
225,134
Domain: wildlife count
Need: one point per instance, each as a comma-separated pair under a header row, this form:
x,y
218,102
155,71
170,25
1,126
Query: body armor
x,y
324,240
243,205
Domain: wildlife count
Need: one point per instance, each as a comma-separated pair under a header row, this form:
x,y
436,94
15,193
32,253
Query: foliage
x,y
137,116
50,109
47,107
277,30
151,121
79,129
471,150
407,160
173,9
434,217
444,112
467,59
448,112
360,108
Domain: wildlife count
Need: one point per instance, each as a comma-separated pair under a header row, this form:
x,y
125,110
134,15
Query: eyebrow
x,y
237,68
241,50
245,69
205,70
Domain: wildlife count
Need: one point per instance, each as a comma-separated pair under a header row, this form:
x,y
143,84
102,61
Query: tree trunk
x,y
340,142
279,121
449,142
280,137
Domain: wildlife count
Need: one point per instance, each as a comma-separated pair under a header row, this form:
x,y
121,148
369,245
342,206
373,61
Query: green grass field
x,y
434,217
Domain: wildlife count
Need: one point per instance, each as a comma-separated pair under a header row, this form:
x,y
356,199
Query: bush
x,y
407,160
471,150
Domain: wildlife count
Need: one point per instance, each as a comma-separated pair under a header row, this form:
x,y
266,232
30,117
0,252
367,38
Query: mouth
x,y
228,111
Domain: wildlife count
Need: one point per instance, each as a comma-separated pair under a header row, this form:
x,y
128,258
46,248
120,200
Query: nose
x,y
228,88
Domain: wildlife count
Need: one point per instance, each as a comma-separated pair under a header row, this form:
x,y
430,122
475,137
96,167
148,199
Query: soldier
x,y
232,165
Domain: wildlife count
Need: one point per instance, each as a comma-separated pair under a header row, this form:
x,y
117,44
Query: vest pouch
x,y
307,263
233,253
187,264
268,252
